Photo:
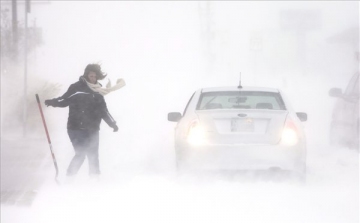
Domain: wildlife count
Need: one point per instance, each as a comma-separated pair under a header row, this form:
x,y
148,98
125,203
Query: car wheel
x,y
301,176
179,159
355,143
334,135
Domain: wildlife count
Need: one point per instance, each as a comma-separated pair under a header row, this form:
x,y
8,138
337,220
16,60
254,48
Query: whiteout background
x,y
165,51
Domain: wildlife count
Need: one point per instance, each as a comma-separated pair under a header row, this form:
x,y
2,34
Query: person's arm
x,y
107,117
62,101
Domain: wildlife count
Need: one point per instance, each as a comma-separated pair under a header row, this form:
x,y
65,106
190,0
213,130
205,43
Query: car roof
x,y
235,88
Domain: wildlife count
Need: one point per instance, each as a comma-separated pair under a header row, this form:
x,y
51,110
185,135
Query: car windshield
x,y
240,100
353,87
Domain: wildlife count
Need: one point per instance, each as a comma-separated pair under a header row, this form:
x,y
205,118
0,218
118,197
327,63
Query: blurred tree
x,y
6,41
11,68
9,50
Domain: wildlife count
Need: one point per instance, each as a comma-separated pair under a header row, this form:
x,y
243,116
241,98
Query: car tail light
x,y
289,135
196,133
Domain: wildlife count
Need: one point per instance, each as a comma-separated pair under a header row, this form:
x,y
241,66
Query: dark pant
x,y
85,143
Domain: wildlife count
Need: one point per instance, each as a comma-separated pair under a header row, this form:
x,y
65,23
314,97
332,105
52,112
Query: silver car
x,y
345,124
240,128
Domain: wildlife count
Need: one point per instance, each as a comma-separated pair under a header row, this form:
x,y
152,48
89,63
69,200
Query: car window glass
x,y
188,103
352,86
243,99
355,91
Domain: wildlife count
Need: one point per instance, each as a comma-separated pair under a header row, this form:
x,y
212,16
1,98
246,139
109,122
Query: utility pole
x,y
301,22
207,32
27,10
15,37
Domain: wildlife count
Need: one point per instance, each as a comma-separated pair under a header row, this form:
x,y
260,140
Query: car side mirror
x,y
302,116
174,116
335,92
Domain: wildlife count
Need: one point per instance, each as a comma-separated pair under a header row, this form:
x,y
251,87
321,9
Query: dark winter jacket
x,y
86,107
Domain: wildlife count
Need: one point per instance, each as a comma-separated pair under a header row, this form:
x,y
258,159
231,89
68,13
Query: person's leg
x,y
79,141
93,153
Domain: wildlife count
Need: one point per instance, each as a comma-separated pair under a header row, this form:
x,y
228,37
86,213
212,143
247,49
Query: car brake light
x,y
196,133
289,134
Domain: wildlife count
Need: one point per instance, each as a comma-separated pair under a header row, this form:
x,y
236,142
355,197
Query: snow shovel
x,y
48,138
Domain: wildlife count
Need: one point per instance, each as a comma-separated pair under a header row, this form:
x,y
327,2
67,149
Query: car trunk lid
x,y
242,126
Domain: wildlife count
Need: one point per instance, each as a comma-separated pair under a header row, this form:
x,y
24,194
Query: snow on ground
x,y
331,194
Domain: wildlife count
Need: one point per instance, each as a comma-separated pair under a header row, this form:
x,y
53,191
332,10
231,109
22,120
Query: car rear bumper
x,y
243,157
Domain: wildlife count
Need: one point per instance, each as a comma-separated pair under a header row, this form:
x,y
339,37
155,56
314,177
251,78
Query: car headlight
x,y
196,134
289,136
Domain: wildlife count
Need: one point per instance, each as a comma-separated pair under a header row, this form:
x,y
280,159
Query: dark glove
x,y
50,102
115,128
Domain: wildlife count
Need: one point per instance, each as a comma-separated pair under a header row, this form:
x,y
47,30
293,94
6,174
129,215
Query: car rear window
x,y
240,100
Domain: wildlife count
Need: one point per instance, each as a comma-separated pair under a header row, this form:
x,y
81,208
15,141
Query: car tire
x,y
179,159
356,143
301,176
334,135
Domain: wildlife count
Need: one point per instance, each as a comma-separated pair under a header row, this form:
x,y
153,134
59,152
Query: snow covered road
x,y
330,195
